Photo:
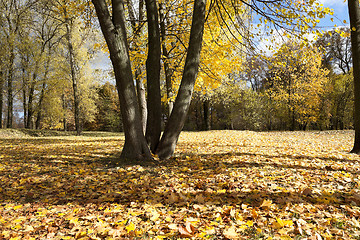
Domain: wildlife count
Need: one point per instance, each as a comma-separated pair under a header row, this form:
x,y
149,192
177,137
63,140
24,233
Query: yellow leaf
x,y
17,207
130,227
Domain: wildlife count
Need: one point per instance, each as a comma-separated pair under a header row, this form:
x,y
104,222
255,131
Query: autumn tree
x,y
354,14
14,16
108,114
297,82
289,14
115,35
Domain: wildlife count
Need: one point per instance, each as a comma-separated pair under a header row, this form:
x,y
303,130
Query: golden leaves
x,y
278,184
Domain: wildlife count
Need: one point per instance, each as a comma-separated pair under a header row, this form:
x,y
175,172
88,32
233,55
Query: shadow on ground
x,y
58,171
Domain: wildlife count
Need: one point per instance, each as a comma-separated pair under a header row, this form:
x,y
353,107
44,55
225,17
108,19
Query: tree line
x,y
164,54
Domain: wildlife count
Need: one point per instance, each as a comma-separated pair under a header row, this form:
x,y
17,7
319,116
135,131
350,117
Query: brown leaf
x,y
184,232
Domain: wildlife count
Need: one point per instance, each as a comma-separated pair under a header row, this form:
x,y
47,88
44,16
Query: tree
x,y
14,15
297,82
289,14
114,30
337,50
108,113
354,14
337,57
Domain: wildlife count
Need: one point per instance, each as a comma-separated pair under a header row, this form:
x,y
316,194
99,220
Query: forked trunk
x,y
114,30
177,118
354,14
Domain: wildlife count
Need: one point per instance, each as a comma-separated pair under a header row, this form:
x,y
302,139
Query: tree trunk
x,y
177,118
24,100
153,125
206,107
354,14
141,95
64,109
114,30
1,97
140,88
39,108
167,70
9,123
74,79
30,104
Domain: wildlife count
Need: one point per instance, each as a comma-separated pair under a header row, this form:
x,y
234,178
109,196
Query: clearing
x,y
220,185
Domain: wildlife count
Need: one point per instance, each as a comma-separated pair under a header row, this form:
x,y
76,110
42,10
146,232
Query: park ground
x,y
219,185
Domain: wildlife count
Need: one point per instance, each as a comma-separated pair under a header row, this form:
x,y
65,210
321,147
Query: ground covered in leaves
x,y
219,185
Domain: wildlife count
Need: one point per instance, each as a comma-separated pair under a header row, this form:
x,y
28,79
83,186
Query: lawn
x,y
219,185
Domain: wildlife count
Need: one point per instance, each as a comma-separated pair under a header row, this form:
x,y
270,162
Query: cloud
x,y
333,3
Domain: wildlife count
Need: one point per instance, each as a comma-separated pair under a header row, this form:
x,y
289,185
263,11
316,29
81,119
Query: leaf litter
x,y
219,185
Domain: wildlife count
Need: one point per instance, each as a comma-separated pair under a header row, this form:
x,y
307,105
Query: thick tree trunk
x,y
114,30
153,125
354,14
177,118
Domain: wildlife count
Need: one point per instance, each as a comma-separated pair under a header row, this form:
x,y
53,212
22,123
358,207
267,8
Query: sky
x,y
340,13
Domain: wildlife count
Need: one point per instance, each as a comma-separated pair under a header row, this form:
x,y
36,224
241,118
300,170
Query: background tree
x,y
14,16
297,83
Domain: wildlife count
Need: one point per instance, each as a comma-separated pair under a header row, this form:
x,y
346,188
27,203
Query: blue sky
x,y
340,13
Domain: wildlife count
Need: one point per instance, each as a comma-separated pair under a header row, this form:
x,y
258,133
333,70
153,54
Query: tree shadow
x,y
93,178
239,163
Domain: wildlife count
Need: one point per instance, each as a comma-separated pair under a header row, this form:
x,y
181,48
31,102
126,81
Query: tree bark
x,y
74,79
167,70
24,100
10,102
153,125
206,106
140,88
177,118
64,109
354,14
1,97
141,95
30,111
39,108
114,30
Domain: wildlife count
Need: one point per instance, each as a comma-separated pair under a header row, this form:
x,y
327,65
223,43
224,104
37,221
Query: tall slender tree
x,y
354,14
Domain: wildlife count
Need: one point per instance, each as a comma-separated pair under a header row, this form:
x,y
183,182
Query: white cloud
x,y
333,3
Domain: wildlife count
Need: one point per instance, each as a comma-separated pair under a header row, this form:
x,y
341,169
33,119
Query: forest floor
x,y
219,185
